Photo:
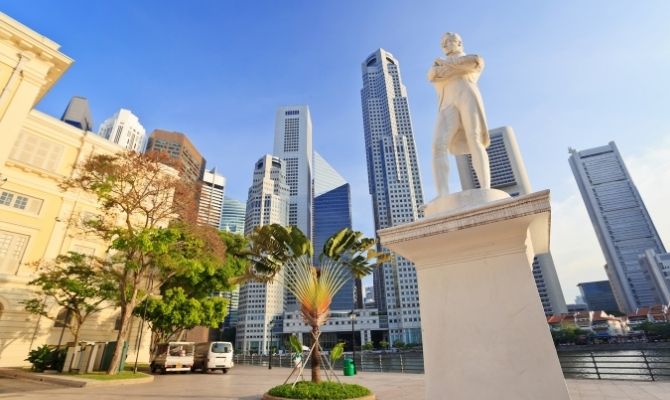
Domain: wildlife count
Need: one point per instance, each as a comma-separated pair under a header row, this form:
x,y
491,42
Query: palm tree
x,y
277,251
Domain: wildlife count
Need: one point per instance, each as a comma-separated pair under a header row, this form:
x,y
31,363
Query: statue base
x,y
485,335
463,200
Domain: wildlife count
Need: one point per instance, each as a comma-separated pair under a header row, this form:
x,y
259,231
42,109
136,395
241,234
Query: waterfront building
x,y
395,186
598,296
508,173
621,222
657,268
262,304
38,220
210,201
332,212
78,114
232,217
599,323
293,144
187,158
577,307
124,129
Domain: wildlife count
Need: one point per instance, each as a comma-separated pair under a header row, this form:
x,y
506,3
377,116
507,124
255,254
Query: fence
x,y
646,365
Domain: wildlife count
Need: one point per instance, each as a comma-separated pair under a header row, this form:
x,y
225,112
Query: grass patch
x,y
102,376
323,390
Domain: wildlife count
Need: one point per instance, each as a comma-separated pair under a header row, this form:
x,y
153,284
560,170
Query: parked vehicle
x,y
172,356
210,356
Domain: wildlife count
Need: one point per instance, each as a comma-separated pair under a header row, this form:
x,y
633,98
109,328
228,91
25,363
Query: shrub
x,y
44,357
323,390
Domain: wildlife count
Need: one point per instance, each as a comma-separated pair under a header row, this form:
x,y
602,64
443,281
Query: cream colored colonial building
x,y
38,221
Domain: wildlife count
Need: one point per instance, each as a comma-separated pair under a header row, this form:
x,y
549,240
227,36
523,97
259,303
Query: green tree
x,y
274,248
368,346
76,283
384,344
135,194
399,344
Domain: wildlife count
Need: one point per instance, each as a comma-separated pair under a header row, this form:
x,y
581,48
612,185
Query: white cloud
x,y
574,245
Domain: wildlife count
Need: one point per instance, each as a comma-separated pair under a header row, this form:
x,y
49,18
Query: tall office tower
x,y
657,268
621,221
395,186
124,129
210,202
293,144
176,144
232,217
262,304
332,212
508,173
598,296
78,114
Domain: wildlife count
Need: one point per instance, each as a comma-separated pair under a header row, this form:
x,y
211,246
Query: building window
x,y
12,247
21,202
39,152
63,318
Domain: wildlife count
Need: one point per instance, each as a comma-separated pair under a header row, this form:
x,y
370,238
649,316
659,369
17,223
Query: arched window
x,y
63,318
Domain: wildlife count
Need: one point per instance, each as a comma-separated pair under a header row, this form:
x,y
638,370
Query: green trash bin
x,y
348,367
109,352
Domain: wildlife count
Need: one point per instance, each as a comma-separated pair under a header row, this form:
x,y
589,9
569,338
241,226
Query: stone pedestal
x,y
485,335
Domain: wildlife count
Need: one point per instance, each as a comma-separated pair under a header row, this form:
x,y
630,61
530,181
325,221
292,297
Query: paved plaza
x,y
247,383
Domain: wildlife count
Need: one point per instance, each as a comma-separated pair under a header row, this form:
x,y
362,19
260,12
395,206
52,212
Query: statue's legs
x,y
472,125
446,126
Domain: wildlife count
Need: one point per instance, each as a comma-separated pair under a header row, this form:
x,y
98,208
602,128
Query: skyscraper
x,y
232,217
180,149
657,268
78,114
261,304
210,202
332,212
621,221
598,296
395,186
508,173
124,129
293,144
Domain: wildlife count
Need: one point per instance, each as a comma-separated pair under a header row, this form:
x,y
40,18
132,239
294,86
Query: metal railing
x,y
645,365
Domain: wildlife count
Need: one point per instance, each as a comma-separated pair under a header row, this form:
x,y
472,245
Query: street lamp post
x,y
352,315
271,326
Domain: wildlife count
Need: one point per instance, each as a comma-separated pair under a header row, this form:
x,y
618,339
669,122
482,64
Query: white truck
x,y
210,356
173,356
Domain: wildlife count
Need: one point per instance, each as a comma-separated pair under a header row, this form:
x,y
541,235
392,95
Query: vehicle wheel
x,y
225,370
204,370
163,371
153,369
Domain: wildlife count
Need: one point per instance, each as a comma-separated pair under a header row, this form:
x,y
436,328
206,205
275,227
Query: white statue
x,y
461,122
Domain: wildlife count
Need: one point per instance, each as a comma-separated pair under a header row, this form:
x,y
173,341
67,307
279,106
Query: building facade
x,y
180,149
232,217
508,173
621,222
657,268
262,304
395,186
78,114
598,296
210,201
38,220
332,212
293,144
124,129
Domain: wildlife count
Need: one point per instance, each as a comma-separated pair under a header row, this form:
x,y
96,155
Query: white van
x,y
172,356
210,356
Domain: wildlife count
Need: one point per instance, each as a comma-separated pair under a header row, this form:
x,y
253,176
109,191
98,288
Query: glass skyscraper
x,y
332,212
232,217
395,187
621,221
598,296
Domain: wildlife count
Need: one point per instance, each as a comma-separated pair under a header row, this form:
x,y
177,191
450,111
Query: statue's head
x,y
452,43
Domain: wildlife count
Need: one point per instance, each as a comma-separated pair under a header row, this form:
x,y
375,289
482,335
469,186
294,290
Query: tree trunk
x,y
77,349
316,356
126,313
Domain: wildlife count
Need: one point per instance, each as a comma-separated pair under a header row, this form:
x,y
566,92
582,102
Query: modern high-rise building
x,y
508,173
180,149
395,186
210,201
124,129
78,114
232,218
598,296
657,268
262,304
293,144
621,222
332,212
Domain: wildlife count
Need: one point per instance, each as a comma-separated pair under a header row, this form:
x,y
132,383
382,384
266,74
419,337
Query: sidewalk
x,y
250,382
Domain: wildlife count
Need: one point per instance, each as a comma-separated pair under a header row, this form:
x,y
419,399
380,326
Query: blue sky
x,y
568,73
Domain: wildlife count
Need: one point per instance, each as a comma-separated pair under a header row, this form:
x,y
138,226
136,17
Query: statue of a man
x,y
461,123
